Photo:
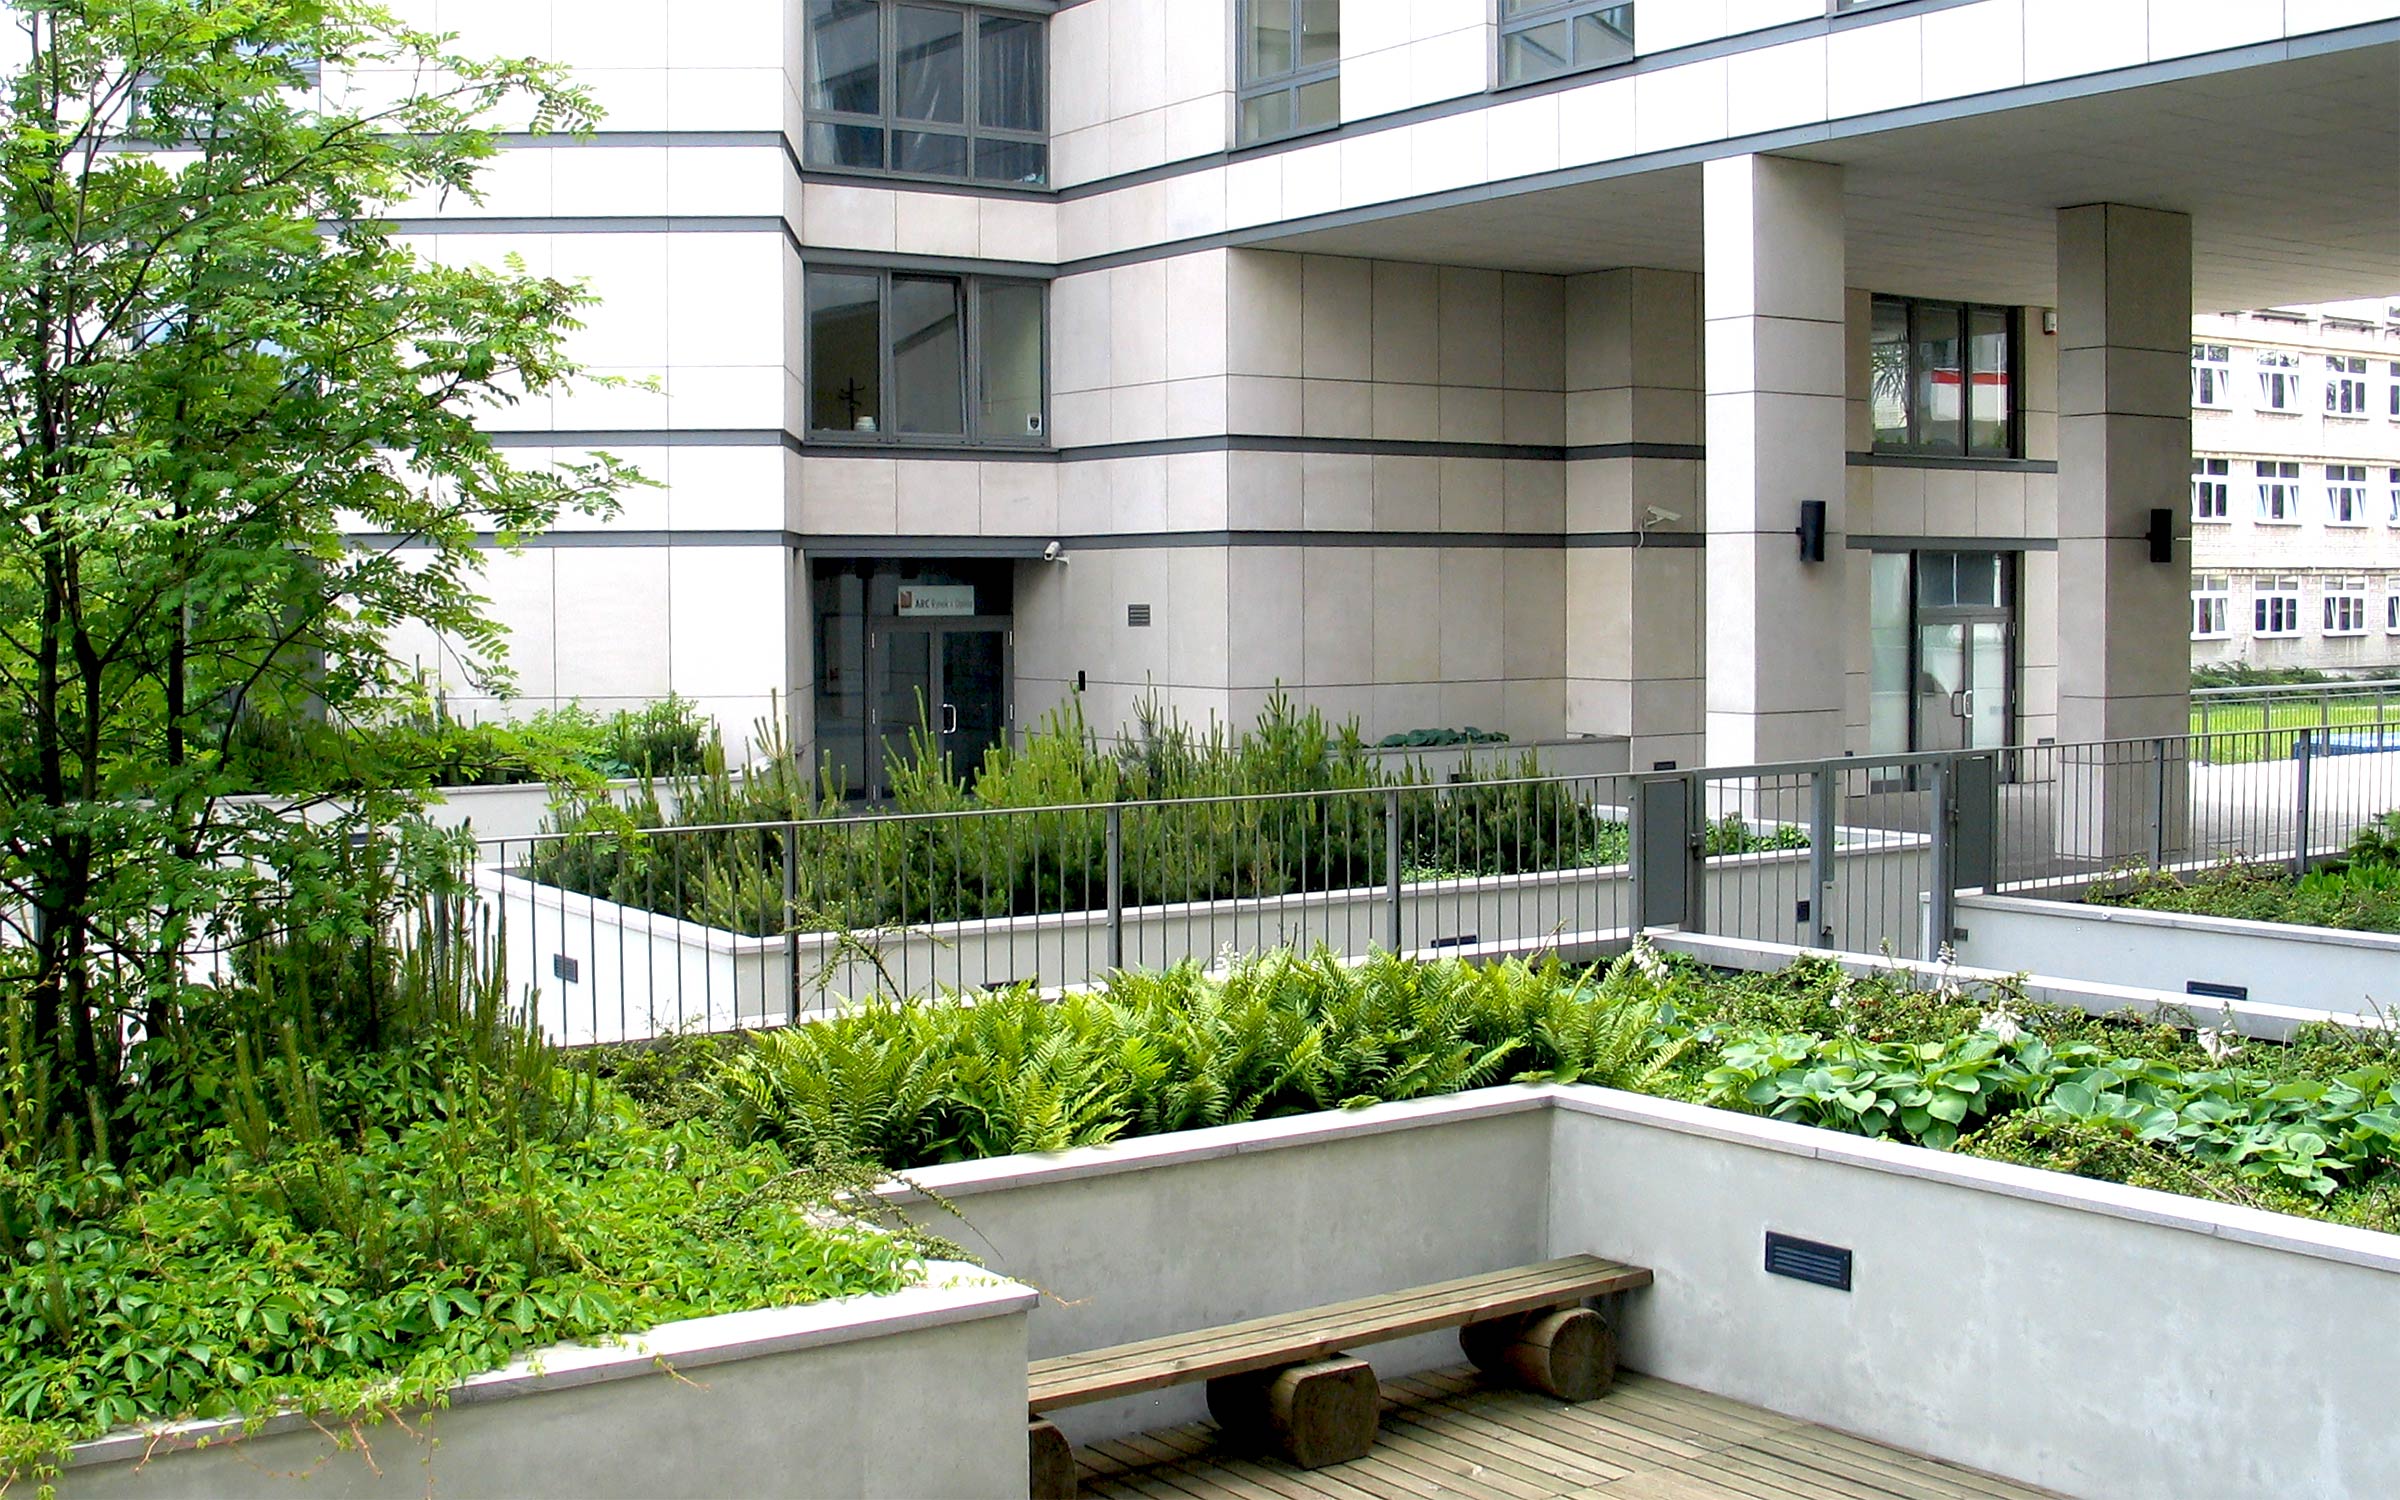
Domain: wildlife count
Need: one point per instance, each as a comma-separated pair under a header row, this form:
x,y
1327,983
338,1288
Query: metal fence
x,y
633,933
2366,709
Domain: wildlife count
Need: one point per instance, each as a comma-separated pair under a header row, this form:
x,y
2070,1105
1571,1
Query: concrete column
x,y
1634,629
2125,448
1774,307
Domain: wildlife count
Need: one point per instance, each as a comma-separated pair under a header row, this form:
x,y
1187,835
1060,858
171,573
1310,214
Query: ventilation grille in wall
x,y
1806,1260
1138,616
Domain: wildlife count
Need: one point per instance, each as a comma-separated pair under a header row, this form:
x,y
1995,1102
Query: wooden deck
x,y
1448,1434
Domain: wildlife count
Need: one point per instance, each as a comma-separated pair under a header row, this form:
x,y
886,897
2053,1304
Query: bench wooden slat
x,y
1313,1333
1531,1279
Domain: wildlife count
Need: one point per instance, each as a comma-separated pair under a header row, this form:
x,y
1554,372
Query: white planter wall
x,y
920,1394
2316,968
2099,1340
602,972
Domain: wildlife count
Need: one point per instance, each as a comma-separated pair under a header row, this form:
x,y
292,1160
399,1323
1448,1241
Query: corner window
x,y
948,91
2212,376
2345,385
1545,38
1291,68
895,356
2346,494
2212,607
1944,378
2394,477
2278,492
2212,486
2396,390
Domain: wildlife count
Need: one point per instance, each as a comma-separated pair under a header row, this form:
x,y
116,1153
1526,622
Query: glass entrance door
x,y
1963,640
944,686
1962,685
974,697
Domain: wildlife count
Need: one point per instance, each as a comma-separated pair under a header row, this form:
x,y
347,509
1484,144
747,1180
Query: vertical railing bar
x,y
1116,888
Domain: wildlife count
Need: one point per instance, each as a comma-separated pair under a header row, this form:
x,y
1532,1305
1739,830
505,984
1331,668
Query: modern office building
x,y
1738,379
2296,487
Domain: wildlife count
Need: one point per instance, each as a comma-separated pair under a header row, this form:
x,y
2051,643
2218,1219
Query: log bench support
x,y
1050,1462
1319,1413
1570,1353
1287,1384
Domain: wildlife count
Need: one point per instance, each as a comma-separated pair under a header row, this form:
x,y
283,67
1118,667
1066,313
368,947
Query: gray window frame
x,y
971,130
1561,10
1918,445
1250,87
970,291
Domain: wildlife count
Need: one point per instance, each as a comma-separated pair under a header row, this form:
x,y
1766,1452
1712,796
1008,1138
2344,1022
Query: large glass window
x,y
928,90
2278,491
2346,494
2345,606
2275,606
2345,385
2278,380
1943,378
2212,607
1544,38
2212,483
904,356
1291,67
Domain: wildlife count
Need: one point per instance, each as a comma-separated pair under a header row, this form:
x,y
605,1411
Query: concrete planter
x,y
2208,959
2099,1340
918,1393
598,971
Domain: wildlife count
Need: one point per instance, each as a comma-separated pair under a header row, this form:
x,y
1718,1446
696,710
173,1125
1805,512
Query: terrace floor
x,y
1447,1434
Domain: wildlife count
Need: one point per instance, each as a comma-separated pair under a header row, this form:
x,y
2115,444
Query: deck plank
x,y
1451,1435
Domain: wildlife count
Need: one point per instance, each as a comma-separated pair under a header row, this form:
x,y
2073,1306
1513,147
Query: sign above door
x,y
936,600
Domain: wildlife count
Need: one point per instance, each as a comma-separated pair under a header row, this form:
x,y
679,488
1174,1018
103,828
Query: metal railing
x,y
631,933
2369,709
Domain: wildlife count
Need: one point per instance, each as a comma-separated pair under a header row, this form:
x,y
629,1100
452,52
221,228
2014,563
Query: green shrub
x,y
1288,805
906,1085
2361,893
351,1177
2314,1127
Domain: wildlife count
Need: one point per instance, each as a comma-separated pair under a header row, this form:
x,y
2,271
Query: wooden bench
x,y
1286,1382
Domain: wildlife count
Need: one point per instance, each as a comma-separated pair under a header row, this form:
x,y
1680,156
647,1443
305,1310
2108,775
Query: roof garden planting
x,y
2310,1128
1289,804
351,1180
2359,892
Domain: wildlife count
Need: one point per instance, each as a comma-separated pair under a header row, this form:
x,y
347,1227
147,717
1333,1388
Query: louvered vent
x,y
1806,1260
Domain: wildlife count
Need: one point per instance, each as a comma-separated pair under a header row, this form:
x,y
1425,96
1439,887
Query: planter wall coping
x,y
2365,1248
2251,1018
2075,911
581,907
952,1292
2333,1242
1214,1143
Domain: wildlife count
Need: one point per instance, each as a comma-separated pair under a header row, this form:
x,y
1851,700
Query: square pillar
x,y
1775,327
2125,449
1634,512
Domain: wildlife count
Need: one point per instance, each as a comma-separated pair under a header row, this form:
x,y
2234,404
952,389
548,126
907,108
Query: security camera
x,y
1053,553
1662,517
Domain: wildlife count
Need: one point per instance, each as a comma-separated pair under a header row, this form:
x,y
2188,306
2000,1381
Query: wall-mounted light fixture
x,y
2162,536
1811,531
2050,321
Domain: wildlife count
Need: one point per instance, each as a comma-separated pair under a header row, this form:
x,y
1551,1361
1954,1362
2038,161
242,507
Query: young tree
x,y
220,370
